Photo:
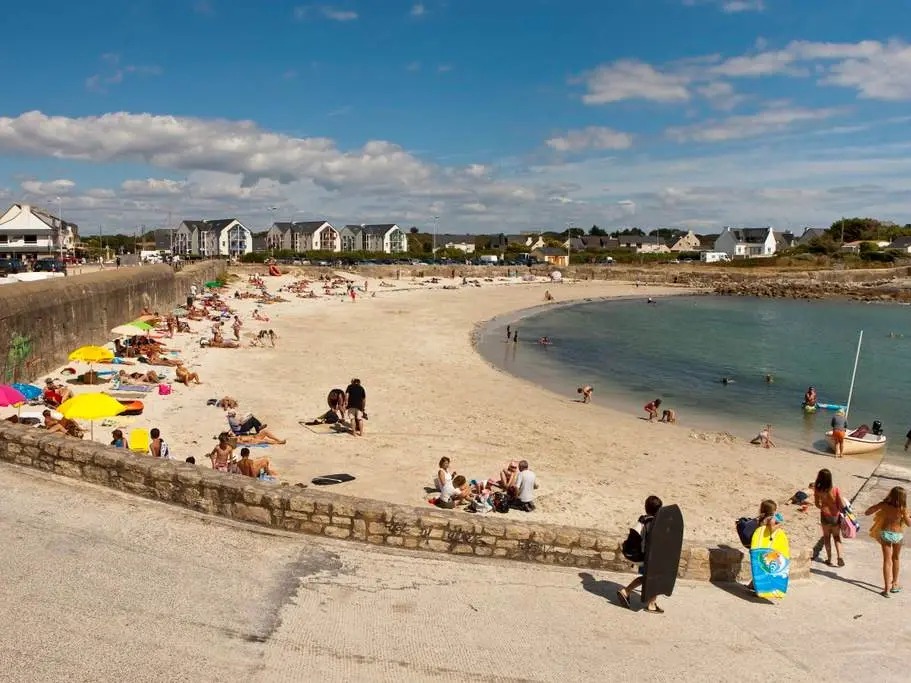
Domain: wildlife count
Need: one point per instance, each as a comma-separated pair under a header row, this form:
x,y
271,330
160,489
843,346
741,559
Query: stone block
x,y
462,549
583,552
343,510
500,552
395,540
189,475
544,535
341,521
300,504
311,527
376,528
487,540
516,532
411,542
324,508
336,532
698,553
251,513
483,551
321,519
587,542
567,537
507,543
275,500
252,495
435,545
95,474
375,538
291,524
67,468
165,490
491,529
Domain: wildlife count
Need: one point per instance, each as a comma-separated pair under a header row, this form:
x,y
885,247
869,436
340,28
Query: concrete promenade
x,y
103,586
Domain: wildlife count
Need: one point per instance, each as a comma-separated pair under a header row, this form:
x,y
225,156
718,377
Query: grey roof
x,y
378,228
707,240
307,227
216,225
811,234
750,235
456,239
900,243
551,251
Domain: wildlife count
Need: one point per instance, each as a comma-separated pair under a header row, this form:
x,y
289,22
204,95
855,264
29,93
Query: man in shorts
x,y
356,402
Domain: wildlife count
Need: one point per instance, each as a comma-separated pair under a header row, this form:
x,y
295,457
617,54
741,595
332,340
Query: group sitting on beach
x,y
514,488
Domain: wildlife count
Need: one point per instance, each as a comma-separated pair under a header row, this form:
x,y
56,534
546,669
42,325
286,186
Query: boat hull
x,y
858,446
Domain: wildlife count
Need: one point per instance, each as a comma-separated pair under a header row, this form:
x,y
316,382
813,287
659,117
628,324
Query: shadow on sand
x,y
863,585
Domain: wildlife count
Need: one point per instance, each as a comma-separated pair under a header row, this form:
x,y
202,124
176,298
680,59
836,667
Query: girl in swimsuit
x,y
888,529
221,454
828,499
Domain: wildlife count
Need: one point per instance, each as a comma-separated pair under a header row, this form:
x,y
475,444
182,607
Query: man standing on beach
x,y
356,401
839,429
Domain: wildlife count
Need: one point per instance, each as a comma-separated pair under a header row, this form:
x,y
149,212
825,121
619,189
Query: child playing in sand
x,y
891,518
652,505
586,392
652,409
668,416
764,438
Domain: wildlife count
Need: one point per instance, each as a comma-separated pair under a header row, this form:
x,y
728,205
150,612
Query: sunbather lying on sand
x,y
136,378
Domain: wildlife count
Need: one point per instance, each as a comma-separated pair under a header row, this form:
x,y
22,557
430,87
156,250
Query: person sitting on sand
x,y
764,438
62,426
548,296
117,440
219,342
221,454
248,424
444,476
55,393
262,317
668,416
526,483
184,376
652,409
254,468
456,493
586,392
508,476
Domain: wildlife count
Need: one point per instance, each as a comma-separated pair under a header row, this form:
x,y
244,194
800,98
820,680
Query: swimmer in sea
x,y
727,380
544,340
650,300
769,379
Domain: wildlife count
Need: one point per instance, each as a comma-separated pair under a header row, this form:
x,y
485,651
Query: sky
x,y
494,116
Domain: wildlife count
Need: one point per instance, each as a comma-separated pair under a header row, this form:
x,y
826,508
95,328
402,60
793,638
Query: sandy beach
x,y
430,394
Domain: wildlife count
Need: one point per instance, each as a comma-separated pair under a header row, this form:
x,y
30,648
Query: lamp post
x,y
272,210
433,251
62,224
569,241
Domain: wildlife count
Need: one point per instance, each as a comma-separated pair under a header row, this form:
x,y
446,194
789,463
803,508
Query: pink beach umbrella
x,y
10,396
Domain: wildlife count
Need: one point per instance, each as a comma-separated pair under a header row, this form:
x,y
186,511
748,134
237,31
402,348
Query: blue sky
x,y
496,116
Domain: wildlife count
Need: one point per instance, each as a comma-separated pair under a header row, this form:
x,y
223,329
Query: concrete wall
x,y
42,322
513,536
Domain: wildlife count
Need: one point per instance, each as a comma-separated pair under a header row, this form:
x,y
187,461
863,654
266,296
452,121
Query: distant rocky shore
x,y
880,290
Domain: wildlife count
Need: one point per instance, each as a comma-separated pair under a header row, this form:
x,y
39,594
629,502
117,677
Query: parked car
x,y
49,266
11,266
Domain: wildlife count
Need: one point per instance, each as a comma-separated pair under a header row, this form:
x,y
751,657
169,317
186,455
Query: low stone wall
x,y
343,517
42,322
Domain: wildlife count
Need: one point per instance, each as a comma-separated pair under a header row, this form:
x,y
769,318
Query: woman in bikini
x,y
888,529
828,499
184,376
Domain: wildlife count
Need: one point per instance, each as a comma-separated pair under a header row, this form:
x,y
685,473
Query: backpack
x,y
632,547
746,527
501,502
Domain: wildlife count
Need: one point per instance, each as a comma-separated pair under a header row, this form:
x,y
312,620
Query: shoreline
x,y
432,394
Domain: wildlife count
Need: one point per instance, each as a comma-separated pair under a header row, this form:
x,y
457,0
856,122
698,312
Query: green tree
x,y
597,232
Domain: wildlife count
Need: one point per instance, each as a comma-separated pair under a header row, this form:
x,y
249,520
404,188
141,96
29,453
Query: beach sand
x,y
430,394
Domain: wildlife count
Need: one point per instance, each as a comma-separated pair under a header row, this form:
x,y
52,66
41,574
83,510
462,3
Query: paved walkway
x,y
100,586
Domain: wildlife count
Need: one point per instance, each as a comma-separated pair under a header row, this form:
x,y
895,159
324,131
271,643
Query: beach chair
x,y
139,440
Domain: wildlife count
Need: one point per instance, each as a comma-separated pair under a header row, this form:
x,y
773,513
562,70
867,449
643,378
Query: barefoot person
x,y
652,409
157,447
221,454
891,518
586,392
839,429
764,438
356,402
184,376
827,498
254,468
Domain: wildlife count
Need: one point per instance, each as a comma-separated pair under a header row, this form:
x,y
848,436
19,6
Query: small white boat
x,y
858,445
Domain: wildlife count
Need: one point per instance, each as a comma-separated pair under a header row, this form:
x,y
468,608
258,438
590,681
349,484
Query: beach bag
x,y
501,502
632,547
164,389
847,520
746,527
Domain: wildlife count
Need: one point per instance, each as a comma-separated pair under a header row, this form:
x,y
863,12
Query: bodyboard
x,y
329,479
662,553
770,562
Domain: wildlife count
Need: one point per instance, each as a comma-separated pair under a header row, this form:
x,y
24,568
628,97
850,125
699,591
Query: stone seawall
x,y
514,536
42,322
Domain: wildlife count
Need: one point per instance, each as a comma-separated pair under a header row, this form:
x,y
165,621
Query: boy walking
x,y
652,505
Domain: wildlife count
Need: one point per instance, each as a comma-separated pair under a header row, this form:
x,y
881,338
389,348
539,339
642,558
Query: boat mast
x,y
854,374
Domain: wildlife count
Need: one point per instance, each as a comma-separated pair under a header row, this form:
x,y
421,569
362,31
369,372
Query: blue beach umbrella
x,y
30,391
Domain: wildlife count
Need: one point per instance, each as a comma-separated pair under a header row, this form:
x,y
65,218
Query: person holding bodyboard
x,y
770,557
661,533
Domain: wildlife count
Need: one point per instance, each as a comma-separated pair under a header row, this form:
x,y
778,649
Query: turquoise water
x,y
680,347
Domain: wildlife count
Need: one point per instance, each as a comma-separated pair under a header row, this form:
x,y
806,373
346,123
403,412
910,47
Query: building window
x,y
31,239
347,242
4,239
396,241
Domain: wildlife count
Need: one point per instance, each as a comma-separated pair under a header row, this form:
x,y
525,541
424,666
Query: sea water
x,y
679,349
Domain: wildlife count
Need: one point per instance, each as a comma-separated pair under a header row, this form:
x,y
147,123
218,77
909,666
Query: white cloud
x,y
731,6
444,68
883,75
51,188
762,64
593,137
326,11
770,120
721,95
418,9
629,79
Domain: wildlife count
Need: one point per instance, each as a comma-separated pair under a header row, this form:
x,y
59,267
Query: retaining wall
x,y
514,536
42,322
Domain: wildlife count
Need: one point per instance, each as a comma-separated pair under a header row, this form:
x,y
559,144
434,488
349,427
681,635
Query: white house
x,y
901,243
387,238
30,232
221,237
747,242
464,243
530,241
303,236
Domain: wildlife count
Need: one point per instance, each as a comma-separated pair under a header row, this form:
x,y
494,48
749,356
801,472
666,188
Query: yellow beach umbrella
x,y
91,407
92,354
